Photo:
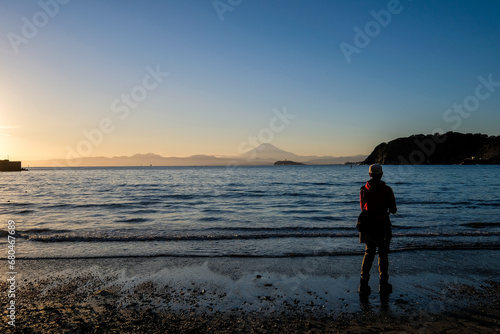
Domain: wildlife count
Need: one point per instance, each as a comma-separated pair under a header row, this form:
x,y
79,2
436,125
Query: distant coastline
x,y
451,148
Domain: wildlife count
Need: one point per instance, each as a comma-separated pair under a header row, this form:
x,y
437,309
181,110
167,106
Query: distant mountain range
x,y
450,148
265,154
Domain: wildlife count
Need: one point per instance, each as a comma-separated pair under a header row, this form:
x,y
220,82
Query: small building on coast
x,y
10,166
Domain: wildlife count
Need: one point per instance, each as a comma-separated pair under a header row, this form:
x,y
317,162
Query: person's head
x,y
376,171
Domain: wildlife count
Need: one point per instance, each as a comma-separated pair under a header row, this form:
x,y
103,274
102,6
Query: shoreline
x,y
432,293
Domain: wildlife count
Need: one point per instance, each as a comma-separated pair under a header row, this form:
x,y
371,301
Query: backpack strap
x,y
363,194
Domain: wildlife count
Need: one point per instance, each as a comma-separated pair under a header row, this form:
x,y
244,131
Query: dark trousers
x,y
382,243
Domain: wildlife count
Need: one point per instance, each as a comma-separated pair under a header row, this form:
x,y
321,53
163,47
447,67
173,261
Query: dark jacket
x,y
378,199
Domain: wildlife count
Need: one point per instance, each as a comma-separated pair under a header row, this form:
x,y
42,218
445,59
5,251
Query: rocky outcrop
x,y
450,148
287,163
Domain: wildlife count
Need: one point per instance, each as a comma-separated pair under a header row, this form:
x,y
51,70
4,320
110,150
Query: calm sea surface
x,y
272,211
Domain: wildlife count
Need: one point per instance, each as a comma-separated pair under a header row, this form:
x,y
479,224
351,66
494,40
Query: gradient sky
x,y
229,67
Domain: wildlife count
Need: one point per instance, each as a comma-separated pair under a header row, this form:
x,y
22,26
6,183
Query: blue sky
x,y
232,66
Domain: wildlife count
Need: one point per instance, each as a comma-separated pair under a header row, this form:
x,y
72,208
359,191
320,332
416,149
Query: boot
x,y
364,288
384,286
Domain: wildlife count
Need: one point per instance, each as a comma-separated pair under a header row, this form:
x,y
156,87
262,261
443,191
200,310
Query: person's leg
x,y
383,263
370,250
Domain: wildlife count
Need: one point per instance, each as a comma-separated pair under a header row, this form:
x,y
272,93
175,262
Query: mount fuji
x,y
269,153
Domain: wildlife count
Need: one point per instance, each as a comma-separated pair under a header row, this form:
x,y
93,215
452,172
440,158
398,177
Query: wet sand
x,y
104,317
226,295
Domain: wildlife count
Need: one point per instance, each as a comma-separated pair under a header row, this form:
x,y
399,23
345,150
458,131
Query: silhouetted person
x,y
378,199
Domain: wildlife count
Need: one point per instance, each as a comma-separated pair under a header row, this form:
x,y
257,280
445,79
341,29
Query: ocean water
x,y
271,211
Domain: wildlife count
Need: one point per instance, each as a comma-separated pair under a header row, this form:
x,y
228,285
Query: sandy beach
x,y
66,316
254,295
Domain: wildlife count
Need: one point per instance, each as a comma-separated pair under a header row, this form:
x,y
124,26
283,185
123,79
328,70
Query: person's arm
x,y
392,201
362,198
